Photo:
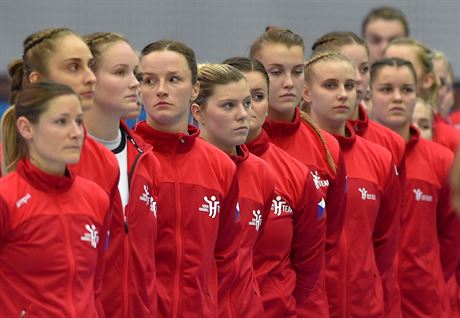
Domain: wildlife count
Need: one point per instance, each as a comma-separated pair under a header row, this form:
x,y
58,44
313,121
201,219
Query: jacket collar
x,y
259,145
242,154
361,124
42,180
283,128
414,137
347,141
167,142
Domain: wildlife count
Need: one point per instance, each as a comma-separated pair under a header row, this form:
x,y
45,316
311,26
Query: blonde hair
x,y
31,103
333,41
100,41
322,56
210,75
455,182
425,57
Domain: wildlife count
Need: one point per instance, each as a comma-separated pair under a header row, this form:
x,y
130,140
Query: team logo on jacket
x,y
210,206
319,183
23,200
91,236
148,199
366,195
279,206
420,196
321,208
237,211
256,220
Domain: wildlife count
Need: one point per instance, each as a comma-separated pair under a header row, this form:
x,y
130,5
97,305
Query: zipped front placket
x,y
178,233
71,263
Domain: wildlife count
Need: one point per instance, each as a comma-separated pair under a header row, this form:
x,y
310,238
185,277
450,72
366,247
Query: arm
x,y
336,203
386,238
448,225
308,242
227,244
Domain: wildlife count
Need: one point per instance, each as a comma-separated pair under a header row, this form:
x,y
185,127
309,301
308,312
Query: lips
x,y
87,94
288,95
242,128
162,103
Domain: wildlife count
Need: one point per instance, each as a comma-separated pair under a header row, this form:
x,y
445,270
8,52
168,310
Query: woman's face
x,y
71,64
258,87
56,139
117,87
422,118
393,95
331,92
357,54
445,99
224,119
167,90
285,69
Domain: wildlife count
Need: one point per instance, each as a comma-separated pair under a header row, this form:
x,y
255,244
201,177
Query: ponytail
x,y
13,145
307,120
17,78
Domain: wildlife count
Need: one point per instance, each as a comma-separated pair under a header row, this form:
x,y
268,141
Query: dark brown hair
x,y
178,47
388,14
32,101
391,62
246,65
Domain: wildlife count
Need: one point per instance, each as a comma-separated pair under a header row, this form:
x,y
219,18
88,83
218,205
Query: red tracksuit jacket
x,y
290,253
363,276
198,228
301,141
429,247
379,134
129,278
49,243
444,134
256,184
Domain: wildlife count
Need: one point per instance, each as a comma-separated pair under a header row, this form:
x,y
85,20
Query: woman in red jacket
x,y
362,275
421,58
129,278
353,47
198,224
430,243
50,220
282,54
288,256
61,56
223,110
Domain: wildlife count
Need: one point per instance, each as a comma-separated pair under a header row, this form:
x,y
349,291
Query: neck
x,y
402,130
102,123
228,149
180,126
281,116
336,128
355,114
253,134
56,169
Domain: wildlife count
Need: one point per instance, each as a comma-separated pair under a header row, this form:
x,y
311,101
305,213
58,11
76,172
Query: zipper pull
x,y
126,223
23,313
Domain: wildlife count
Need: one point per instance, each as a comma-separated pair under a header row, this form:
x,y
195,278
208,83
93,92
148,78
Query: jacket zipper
x,y
71,262
125,220
177,280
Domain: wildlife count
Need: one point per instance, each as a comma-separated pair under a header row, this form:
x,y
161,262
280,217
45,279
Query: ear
x,y
195,91
306,93
198,113
428,81
34,77
25,128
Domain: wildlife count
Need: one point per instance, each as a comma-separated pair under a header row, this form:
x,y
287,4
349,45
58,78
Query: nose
x,y
134,83
288,82
89,78
242,113
397,95
77,131
162,91
343,96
